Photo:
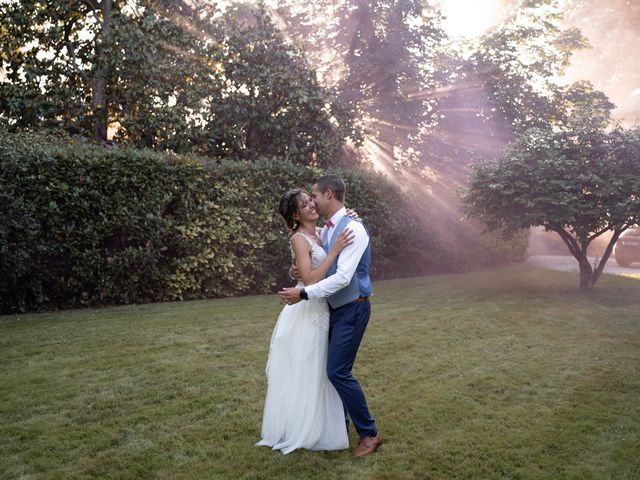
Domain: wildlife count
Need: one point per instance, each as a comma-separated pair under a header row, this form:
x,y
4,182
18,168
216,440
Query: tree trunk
x,y
587,279
579,251
99,82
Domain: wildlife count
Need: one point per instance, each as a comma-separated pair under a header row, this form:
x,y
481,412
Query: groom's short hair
x,y
333,183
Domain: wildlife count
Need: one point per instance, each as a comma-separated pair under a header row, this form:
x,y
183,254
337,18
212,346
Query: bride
x,y
302,408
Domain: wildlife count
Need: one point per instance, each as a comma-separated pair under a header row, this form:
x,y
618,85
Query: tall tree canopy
x,y
171,76
164,75
384,57
417,90
518,63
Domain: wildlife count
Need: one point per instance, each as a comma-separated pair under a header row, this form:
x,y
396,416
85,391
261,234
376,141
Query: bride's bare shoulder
x,y
298,238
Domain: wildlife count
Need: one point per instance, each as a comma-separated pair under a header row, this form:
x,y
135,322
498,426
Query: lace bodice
x,y
315,310
317,252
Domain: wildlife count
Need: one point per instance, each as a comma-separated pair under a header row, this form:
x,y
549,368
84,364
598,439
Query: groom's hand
x,y
290,295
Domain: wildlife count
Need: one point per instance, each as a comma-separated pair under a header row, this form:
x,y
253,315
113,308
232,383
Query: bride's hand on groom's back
x,y
352,213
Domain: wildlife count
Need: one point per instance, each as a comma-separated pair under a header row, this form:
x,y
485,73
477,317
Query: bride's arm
x,y
301,250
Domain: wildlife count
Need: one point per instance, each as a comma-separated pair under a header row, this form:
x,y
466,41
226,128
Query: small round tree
x,y
573,178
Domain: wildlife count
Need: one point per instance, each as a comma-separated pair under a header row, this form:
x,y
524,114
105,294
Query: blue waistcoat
x,y
360,285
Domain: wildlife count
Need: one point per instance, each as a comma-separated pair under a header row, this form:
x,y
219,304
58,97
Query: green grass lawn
x,y
501,374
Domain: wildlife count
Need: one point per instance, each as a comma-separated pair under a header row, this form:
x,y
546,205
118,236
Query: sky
x,y
470,18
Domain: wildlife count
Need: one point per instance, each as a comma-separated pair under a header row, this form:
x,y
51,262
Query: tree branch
x,y
71,49
99,82
574,248
598,233
607,253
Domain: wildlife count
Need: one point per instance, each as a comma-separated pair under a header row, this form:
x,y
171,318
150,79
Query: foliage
x,y
579,184
391,65
399,247
161,77
433,104
83,224
516,66
560,153
28,74
384,57
273,103
413,87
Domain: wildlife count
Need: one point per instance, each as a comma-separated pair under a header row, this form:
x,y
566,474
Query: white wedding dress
x,y
302,408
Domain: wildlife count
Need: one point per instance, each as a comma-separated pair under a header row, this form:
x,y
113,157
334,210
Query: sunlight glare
x,y
470,18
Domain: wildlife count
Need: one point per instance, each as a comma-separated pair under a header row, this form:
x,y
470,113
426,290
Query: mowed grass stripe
x,y
501,374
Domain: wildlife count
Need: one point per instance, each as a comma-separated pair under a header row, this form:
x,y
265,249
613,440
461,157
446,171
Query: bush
x,y
84,224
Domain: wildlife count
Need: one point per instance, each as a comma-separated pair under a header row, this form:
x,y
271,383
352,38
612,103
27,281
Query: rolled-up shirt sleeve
x,y
348,261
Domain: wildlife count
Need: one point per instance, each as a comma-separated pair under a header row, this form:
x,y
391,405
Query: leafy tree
x,y
384,57
392,60
516,66
577,181
164,75
86,64
273,104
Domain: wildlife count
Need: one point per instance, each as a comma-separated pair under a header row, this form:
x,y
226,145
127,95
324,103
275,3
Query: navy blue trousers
x,y
346,330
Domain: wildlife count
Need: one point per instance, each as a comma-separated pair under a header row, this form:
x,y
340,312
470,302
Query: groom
x,y
347,288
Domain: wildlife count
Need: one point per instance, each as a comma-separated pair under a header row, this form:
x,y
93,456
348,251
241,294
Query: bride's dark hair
x,y
289,206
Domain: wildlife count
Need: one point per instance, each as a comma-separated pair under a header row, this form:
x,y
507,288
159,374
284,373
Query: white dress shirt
x,y
347,260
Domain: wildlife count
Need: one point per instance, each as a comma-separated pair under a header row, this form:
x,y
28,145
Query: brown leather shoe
x,y
367,445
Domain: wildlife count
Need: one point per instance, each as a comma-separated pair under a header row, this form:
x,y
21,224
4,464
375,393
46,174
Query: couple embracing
x,y
311,393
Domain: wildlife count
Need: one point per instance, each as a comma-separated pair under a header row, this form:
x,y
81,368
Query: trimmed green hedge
x,y
84,224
